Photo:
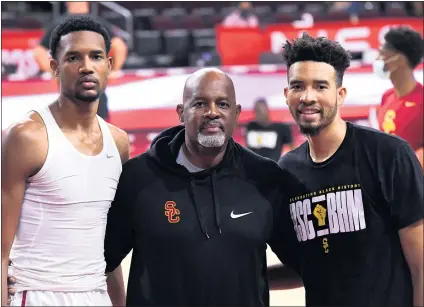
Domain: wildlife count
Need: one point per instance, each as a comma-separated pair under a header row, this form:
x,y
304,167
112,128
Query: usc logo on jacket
x,y
171,212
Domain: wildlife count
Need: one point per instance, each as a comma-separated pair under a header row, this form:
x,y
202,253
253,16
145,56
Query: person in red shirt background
x,y
401,110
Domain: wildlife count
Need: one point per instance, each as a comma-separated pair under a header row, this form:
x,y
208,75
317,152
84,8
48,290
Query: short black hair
x,y
76,23
406,41
321,49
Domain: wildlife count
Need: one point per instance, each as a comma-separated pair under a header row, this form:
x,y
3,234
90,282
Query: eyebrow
x,y
74,52
292,82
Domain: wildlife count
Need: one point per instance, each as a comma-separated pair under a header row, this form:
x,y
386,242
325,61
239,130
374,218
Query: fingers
x,y
11,280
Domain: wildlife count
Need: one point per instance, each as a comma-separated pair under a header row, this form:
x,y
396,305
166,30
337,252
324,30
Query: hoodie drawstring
x,y
198,211
215,201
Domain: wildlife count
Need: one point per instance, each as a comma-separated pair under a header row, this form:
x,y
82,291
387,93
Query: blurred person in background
x,y
266,138
351,7
401,110
417,8
243,17
118,51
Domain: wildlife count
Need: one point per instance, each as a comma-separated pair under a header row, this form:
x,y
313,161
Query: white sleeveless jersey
x,y
59,244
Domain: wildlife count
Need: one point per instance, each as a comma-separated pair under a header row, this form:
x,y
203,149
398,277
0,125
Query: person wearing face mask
x,y
243,17
401,109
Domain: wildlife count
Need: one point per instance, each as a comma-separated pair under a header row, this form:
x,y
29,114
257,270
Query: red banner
x,y
16,51
244,46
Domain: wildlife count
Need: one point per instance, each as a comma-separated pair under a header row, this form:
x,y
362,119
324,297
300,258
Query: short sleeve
x,y
119,238
286,134
404,188
283,241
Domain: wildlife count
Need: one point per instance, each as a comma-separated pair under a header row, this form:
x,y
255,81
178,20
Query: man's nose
x,y
212,111
86,66
308,96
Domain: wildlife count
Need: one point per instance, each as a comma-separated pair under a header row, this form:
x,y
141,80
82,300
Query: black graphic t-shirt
x,y
268,141
347,212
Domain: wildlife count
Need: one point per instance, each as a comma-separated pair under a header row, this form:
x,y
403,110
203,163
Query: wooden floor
x,y
294,297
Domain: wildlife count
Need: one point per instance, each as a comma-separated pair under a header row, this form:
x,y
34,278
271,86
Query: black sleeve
x,y
119,238
283,240
286,134
403,188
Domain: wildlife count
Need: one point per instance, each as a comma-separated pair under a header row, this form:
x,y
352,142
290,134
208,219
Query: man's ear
x,y
238,110
54,65
341,95
180,112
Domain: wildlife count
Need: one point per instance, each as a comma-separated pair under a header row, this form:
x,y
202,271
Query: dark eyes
x,y
221,104
95,57
300,87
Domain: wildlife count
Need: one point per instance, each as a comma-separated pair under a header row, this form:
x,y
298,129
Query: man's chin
x,y
87,98
310,130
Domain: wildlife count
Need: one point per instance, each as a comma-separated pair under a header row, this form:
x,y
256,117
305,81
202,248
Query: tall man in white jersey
x,y
60,169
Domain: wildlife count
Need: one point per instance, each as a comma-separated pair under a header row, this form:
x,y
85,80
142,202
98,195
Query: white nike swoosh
x,y
236,216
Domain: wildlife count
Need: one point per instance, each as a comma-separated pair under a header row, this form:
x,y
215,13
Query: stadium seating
x,y
183,32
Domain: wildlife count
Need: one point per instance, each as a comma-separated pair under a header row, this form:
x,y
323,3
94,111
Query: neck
x,y
75,114
403,82
326,143
203,157
264,122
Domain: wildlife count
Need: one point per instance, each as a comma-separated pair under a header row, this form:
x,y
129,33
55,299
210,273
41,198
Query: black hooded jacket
x,y
197,238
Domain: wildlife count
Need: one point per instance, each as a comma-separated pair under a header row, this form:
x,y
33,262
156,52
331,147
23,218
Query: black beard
x,y
311,131
87,98
328,119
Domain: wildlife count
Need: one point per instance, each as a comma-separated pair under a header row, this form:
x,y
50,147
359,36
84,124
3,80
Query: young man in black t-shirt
x,y
264,137
358,208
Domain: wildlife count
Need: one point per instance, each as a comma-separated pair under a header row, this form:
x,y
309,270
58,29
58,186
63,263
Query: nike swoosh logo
x,y
236,216
409,104
109,156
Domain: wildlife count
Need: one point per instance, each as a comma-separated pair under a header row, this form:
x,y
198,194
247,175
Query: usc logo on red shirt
x,y
171,212
389,124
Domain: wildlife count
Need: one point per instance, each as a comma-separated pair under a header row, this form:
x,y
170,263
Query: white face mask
x,y
378,68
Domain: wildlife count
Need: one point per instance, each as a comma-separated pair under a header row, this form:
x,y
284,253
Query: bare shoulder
x,y
26,132
25,143
121,141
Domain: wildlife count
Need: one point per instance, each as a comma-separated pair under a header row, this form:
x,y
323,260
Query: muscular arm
x,y
411,238
119,52
42,57
115,280
23,154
